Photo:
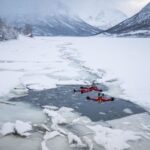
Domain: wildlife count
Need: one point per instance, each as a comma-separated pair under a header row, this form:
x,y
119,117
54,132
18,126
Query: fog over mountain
x,y
44,18
44,7
31,7
67,17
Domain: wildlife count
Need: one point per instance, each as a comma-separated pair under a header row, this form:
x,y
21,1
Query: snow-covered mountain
x,y
139,24
105,18
7,32
52,25
100,13
44,19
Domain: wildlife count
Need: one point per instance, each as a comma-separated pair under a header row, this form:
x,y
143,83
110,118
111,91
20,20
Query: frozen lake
x,y
53,69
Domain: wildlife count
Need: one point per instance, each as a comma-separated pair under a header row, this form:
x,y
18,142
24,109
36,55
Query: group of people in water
x,y
100,97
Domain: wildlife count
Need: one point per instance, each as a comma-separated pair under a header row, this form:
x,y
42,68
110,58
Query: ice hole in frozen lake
x,y
63,95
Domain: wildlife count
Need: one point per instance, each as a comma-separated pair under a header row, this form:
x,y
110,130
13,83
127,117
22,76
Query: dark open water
x,y
64,96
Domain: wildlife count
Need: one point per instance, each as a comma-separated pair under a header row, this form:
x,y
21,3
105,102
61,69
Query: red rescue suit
x,y
89,89
101,99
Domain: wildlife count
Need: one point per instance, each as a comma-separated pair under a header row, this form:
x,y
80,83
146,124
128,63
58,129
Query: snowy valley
x,y
107,21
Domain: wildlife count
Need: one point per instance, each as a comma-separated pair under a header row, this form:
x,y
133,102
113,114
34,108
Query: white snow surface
x,y
7,128
113,139
11,81
43,62
62,116
19,127
75,140
23,127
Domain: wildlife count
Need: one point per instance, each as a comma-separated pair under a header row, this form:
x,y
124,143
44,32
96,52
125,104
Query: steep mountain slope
x,y
7,32
139,24
53,25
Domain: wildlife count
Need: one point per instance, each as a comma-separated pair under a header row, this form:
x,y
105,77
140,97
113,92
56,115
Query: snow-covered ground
x,y
44,62
126,59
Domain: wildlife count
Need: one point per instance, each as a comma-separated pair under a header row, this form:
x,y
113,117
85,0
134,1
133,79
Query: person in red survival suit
x,y
101,98
88,89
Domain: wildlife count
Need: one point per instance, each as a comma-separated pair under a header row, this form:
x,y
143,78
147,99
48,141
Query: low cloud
x,y
44,7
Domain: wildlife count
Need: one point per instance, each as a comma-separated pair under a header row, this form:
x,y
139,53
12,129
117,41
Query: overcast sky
x,y
8,7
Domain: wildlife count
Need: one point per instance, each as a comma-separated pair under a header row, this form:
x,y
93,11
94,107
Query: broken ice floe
x,y
59,118
113,139
75,140
50,107
19,127
79,134
101,134
128,111
63,116
7,128
47,136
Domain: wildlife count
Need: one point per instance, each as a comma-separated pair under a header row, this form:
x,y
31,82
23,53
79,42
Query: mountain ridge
x,y
53,25
138,22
